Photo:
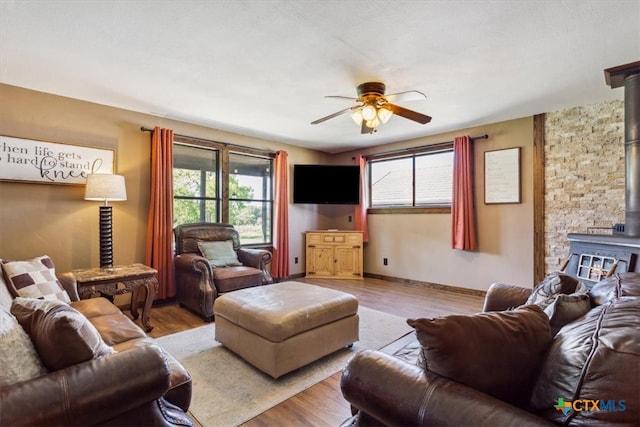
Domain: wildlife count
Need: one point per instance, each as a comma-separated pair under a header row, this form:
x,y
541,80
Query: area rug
x,y
227,391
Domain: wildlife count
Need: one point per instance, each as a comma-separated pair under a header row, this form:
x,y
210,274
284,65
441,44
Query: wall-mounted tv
x,y
326,184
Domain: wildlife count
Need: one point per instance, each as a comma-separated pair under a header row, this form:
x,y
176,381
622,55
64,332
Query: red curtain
x,y
463,226
280,262
360,213
159,254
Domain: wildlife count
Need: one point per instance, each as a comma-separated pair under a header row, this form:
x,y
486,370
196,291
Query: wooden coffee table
x,y
111,281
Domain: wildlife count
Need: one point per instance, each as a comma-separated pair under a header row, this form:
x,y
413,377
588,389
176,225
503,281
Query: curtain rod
x,y
432,146
226,144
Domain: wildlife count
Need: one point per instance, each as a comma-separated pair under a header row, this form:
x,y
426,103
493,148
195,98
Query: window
x,y
250,197
417,180
195,184
203,190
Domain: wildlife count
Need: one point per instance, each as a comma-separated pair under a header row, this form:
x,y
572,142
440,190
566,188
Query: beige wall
x,y
37,219
418,246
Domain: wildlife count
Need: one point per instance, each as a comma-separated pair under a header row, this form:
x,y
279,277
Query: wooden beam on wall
x,y
539,248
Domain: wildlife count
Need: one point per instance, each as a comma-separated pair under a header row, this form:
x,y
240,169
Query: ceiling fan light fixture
x,y
384,113
374,109
356,116
369,112
373,123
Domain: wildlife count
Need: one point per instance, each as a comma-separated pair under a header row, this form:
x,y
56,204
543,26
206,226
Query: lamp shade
x,y
105,187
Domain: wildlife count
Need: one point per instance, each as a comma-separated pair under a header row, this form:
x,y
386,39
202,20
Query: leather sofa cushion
x,y
123,334
53,325
618,285
596,357
233,278
567,308
498,353
189,235
95,307
113,326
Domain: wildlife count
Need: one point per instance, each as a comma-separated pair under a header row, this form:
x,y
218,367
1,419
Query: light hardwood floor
x,y
323,404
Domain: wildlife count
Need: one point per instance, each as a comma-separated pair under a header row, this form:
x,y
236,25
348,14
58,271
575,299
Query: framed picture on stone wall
x,y
51,162
502,176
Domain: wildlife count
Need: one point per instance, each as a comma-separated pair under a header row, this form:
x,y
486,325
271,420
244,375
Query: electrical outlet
x,y
349,218
295,260
385,261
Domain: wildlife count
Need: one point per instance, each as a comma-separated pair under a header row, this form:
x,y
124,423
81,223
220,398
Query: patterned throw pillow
x,y
554,284
34,278
5,296
18,357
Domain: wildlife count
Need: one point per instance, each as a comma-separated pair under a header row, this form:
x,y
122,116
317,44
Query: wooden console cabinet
x,y
334,254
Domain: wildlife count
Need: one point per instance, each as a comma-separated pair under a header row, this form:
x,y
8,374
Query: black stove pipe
x,y
632,154
629,76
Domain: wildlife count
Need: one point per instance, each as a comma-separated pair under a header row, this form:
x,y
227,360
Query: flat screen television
x,y
326,184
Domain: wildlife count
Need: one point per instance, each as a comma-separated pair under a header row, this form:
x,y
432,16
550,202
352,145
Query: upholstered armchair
x,y
209,261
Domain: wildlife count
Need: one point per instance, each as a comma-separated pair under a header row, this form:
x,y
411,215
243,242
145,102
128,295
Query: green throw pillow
x,y
219,253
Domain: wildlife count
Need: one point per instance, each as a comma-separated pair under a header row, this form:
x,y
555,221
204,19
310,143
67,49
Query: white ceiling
x,y
263,67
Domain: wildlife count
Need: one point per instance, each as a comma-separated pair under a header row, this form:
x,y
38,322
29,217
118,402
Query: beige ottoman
x,y
279,328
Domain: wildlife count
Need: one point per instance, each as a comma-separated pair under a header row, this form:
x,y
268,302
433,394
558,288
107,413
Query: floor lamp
x,y
105,188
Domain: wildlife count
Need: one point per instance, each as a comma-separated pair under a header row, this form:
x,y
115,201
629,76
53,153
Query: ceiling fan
x,y
374,108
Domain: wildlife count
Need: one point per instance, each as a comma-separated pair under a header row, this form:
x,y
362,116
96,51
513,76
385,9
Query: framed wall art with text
x,y
50,162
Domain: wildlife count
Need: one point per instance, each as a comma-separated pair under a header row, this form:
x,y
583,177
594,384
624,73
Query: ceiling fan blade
x,y
342,97
409,114
366,129
331,116
410,95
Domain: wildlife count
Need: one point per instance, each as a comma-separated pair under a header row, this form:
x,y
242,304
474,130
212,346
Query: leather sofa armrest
x,y
257,258
503,296
192,262
195,285
393,392
194,266
70,284
88,393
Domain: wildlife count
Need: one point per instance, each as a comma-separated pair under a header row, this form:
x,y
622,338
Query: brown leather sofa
x,y
198,284
139,385
592,364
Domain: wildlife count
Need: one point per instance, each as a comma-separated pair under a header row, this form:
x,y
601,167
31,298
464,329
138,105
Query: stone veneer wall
x,y
584,174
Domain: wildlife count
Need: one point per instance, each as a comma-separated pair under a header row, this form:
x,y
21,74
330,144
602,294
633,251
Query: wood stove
x,y
594,256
